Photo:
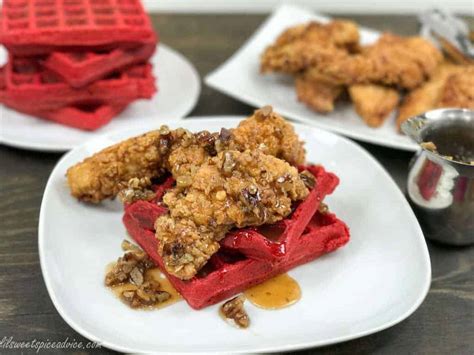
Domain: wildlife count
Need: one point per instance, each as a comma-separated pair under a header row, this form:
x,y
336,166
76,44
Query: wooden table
x,y
443,324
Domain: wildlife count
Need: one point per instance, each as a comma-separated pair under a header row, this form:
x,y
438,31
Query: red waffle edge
x,y
80,69
310,235
27,85
30,27
85,118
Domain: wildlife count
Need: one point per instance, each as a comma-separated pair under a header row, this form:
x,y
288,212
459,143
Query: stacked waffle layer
x,y
76,62
248,256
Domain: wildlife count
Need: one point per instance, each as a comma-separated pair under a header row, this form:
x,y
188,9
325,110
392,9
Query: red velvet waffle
x,y
87,116
81,68
251,255
31,27
29,86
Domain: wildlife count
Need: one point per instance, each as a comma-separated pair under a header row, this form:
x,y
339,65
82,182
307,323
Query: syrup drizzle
x,y
278,292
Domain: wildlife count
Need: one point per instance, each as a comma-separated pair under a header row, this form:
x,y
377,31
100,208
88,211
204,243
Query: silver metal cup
x,y
440,183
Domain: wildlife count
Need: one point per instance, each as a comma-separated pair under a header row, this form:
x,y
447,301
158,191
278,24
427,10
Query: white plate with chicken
x,y
338,76
238,175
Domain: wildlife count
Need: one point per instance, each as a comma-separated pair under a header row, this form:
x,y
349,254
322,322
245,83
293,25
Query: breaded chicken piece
x,y
180,152
103,174
232,189
458,91
427,96
318,95
301,46
272,134
148,156
373,103
405,62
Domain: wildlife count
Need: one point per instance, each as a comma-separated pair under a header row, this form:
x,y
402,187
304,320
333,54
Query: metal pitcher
x,y
440,183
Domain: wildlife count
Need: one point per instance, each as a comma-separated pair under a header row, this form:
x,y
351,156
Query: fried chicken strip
x,y
318,94
232,189
427,96
458,91
373,103
103,174
272,134
301,46
405,62
179,151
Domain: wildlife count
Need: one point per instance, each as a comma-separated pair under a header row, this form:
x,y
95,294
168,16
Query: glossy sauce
x,y
156,275
278,292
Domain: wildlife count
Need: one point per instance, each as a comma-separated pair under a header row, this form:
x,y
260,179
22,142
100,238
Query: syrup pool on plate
x,y
278,292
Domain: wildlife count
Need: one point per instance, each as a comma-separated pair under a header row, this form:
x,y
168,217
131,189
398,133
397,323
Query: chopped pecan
x,y
137,189
234,310
127,246
175,250
165,141
225,134
147,294
283,178
131,267
229,163
308,179
265,111
251,195
136,276
207,140
323,208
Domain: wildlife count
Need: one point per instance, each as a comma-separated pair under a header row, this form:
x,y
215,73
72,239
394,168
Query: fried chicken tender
x,y
301,46
428,96
180,152
103,174
373,103
318,94
269,132
405,62
232,189
458,91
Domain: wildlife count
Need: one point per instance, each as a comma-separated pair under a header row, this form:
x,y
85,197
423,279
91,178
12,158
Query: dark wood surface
x,y
443,324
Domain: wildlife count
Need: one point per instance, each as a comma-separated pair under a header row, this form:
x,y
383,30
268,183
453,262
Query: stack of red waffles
x,y
76,62
251,255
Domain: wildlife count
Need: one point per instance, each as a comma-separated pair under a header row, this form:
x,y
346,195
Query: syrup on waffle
x,y
81,68
30,86
31,27
302,237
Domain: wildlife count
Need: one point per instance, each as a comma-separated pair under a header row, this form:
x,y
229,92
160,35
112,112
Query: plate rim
x,y
211,81
296,346
59,148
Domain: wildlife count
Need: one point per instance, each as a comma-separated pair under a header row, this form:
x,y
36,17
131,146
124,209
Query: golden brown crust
x,y
179,151
373,103
234,178
232,189
272,134
304,45
317,94
104,174
458,91
325,59
427,96
401,61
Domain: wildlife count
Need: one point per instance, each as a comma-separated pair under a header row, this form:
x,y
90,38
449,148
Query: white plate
x,y
372,283
179,86
240,78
